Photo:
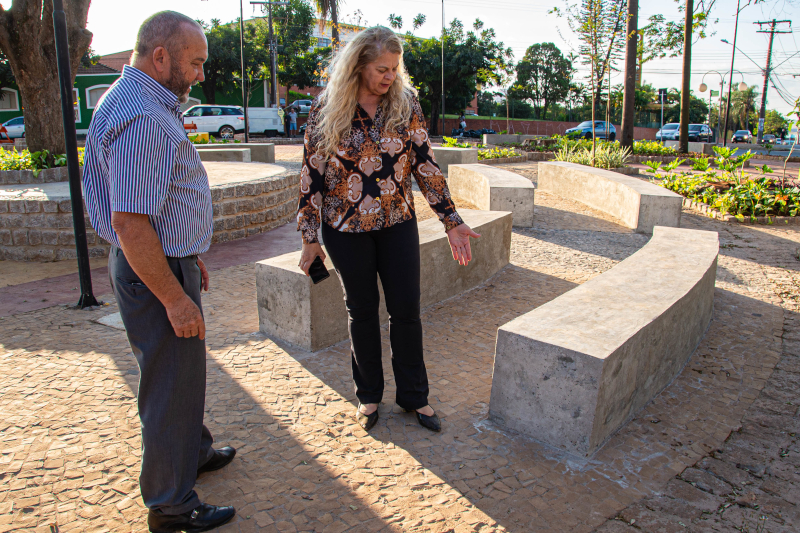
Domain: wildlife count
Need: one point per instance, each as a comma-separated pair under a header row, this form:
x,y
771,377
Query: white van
x,y
264,120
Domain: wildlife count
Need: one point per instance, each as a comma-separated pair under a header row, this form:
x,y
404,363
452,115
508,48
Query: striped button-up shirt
x,y
139,160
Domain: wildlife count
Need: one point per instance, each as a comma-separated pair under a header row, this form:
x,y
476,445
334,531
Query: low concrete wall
x,y
454,156
259,152
638,204
48,175
40,229
700,148
292,308
573,371
498,138
240,155
494,189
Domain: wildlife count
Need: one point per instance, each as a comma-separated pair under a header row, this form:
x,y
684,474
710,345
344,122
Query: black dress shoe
x,y
204,517
366,421
220,459
429,422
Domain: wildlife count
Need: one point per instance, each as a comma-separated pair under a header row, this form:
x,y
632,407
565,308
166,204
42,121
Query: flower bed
x,y
33,161
497,153
728,192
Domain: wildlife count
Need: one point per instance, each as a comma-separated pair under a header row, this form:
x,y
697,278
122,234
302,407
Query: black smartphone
x,y
318,271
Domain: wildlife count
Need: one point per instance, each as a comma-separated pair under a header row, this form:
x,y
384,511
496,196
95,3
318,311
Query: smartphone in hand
x,y
318,271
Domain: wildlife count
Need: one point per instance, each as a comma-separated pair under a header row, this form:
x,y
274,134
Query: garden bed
x,y
705,209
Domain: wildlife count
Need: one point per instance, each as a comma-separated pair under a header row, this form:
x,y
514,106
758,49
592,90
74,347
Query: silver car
x,y
15,127
302,106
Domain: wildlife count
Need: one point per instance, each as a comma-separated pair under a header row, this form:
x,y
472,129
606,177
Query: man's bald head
x,y
171,48
167,29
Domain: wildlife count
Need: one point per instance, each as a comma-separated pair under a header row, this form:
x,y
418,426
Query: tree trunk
x,y
209,91
28,41
434,129
629,96
686,90
334,24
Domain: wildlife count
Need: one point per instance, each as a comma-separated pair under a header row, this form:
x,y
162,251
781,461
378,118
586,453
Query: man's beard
x,y
177,83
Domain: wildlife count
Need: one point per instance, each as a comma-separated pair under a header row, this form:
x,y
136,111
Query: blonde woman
x,y
365,138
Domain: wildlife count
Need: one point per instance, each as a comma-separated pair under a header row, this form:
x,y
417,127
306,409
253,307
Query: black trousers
x,y
172,387
392,253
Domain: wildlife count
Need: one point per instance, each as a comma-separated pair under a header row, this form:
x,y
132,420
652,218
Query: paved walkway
x,y
69,434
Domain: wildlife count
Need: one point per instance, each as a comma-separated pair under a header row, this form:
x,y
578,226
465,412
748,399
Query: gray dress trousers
x,y
172,387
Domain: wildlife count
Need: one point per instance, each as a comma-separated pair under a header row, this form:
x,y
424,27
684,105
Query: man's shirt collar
x,y
154,89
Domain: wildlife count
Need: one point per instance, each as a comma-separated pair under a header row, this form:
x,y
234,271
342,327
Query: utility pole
x,y
273,46
730,78
772,31
629,95
686,90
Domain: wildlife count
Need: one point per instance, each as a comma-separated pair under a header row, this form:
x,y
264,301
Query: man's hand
x,y
459,243
185,317
143,250
203,274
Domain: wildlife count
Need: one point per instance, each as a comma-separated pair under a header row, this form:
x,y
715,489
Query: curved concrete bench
x,y
454,156
573,371
293,309
494,189
259,152
638,204
240,155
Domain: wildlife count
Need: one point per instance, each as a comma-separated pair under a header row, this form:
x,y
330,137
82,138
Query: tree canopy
x,y
543,76
470,57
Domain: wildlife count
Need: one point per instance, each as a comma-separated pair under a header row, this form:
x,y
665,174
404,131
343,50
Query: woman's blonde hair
x,y
338,101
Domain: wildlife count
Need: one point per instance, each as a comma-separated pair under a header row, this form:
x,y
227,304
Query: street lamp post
x,y
730,79
703,87
244,77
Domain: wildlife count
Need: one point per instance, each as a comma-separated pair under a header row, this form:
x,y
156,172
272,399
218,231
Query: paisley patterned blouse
x,y
366,185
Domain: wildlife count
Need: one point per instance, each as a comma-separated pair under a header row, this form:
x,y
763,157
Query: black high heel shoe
x,y
428,422
366,421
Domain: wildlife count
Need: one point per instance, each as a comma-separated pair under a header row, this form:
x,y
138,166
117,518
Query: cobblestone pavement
x,y
69,433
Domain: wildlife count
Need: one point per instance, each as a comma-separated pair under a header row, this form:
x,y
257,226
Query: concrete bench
x,y
573,371
293,309
494,189
259,152
238,155
636,203
454,156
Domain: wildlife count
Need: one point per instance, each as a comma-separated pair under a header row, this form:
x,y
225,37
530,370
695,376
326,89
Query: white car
x,y
302,106
15,127
222,120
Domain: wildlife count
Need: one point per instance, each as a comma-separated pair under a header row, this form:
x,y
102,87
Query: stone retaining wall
x,y
48,175
41,230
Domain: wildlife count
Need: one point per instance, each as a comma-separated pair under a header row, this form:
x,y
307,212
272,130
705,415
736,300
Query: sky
x,y
520,23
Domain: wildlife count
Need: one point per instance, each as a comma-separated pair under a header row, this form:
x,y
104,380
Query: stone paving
x,y
69,433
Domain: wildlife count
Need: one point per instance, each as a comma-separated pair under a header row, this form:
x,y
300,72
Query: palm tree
x,y
325,8
742,104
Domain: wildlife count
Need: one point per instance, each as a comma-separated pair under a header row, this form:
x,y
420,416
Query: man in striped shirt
x,y
147,194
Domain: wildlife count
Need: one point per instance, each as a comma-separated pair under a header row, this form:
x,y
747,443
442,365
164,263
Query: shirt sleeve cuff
x,y
452,220
138,208
309,236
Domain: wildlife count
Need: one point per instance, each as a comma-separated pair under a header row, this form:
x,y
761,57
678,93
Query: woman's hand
x,y
459,243
309,253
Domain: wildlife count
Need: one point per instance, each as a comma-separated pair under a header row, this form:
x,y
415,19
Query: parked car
x,y
769,138
15,127
224,121
699,133
302,106
742,136
669,132
584,130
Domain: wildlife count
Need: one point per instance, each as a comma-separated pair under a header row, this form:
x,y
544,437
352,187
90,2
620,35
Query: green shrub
x,y
36,161
452,142
652,148
607,155
497,153
729,193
